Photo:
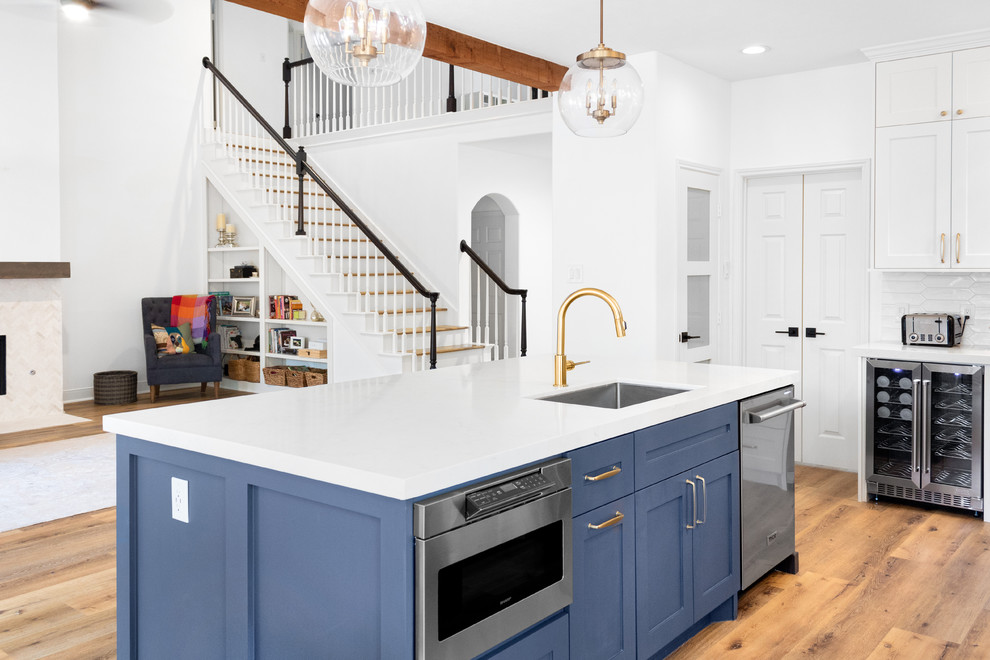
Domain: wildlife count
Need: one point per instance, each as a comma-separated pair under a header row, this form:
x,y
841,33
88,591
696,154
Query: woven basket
x,y
275,375
252,371
316,377
111,387
236,369
295,378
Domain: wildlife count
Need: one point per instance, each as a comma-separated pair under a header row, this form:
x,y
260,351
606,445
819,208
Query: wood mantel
x,y
461,50
33,270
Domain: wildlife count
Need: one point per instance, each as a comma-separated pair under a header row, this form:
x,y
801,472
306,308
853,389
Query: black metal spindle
x,y
433,330
287,78
301,173
451,97
522,340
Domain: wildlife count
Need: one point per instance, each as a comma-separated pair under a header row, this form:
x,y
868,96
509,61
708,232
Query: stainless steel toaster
x,y
932,329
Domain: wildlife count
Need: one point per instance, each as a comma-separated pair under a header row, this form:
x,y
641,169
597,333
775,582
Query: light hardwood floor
x,y
877,580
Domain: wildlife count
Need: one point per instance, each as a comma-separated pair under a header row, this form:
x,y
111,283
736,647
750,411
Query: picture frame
x,y
244,306
295,343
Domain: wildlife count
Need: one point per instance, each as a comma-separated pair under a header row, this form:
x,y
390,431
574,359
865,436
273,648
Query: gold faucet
x,y
561,365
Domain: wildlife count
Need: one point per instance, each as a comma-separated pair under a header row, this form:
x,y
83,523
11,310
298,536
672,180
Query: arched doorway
x,y
494,236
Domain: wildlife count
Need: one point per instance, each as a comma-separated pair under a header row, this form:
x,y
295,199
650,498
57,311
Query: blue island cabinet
x,y
661,561
269,565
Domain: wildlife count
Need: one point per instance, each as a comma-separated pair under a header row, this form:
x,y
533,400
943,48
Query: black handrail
x,y
522,293
303,168
287,68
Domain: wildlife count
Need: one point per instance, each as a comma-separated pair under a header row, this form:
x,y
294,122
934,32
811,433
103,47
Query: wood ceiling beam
x,y
452,47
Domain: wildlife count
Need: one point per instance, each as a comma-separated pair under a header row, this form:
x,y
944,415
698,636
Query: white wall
x,y
407,181
522,176
29,148
615,209
132,205
252,45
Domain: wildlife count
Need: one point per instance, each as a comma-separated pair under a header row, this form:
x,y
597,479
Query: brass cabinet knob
x,y
943,113
959,111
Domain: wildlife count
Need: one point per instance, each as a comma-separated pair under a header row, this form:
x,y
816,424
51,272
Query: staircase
x,y
345,276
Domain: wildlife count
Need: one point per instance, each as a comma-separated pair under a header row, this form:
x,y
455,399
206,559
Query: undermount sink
x,y
613,395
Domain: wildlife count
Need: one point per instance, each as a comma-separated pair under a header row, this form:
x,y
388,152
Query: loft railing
x,y
330,226
315,105
489,311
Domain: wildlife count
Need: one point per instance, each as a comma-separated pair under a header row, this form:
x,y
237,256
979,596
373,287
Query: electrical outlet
x,y
966,310
902,310
180,499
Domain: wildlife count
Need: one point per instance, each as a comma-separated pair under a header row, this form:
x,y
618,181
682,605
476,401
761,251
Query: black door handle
x,y
685,337
790,332
812,332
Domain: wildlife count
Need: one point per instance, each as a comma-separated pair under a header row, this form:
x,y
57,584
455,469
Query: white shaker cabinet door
x,y
913,196
914,90
971,193
971,83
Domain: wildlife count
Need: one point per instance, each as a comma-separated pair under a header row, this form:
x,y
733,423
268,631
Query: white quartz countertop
x,y
410,435
897,351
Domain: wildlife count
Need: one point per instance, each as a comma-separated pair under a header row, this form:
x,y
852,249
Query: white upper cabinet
x,y
971,83
915,90
933,162
971,193
913,196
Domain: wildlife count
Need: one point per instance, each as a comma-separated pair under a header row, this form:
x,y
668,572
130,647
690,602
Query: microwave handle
x,y
764,415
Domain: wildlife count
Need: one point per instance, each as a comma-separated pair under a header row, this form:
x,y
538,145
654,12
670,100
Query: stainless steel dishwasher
x,y
766,424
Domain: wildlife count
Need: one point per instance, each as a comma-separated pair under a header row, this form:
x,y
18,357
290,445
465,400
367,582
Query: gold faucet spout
x,y
560,363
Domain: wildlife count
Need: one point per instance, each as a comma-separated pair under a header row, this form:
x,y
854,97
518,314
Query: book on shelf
x,y
230,337
281,307
224,302
278,340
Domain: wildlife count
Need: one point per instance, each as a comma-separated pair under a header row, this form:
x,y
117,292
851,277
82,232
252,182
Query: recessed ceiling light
x,y
755,50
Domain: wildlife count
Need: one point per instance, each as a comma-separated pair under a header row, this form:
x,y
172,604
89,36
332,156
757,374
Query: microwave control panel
x,y
496,497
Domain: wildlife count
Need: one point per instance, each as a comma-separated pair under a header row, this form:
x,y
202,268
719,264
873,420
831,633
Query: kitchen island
x,y
299,532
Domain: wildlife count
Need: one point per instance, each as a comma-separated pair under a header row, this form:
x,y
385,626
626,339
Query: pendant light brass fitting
x,y
601,57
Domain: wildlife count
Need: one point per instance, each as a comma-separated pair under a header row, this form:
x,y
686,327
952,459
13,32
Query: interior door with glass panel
x,y
698,206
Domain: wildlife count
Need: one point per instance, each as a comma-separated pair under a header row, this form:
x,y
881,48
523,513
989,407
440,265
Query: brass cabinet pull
x,y
704,492
943,113
608,523
604,475
958,242
959,111
694,497
941,247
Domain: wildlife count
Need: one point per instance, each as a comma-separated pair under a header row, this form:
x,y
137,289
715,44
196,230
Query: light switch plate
x,y
575,273
180,499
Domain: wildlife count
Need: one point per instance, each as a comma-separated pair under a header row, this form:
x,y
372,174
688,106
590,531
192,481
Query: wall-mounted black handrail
x,y
303,168
522,293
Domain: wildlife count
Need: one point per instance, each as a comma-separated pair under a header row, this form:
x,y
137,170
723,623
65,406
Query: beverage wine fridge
x,y
924,432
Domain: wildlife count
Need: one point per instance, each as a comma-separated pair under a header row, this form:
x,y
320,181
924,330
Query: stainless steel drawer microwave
x,y
492,559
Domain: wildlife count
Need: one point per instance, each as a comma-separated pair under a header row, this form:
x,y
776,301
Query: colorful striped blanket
x,y
194,310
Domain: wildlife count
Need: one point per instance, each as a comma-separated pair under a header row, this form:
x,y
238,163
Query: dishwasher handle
x,y
786,406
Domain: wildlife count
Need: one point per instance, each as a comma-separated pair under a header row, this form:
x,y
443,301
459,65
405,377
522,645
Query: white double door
x,y
806,296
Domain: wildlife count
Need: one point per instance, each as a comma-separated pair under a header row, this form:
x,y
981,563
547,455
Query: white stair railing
x,y
317,105
490,310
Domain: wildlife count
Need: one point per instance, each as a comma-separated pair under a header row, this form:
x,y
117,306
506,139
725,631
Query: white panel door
x,y
914,90
836,254
773,272
697,259
807,254
970,244
913,196
971,83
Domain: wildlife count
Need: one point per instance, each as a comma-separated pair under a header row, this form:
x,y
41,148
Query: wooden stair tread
x,y
341,240
388,312
355,256
421,331
448,349
385,293
389,274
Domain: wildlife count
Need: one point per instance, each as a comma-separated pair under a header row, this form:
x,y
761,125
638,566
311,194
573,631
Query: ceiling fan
x,y
148,10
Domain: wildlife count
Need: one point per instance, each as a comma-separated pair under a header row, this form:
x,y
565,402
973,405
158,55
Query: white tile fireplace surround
x,y
903,293
31,321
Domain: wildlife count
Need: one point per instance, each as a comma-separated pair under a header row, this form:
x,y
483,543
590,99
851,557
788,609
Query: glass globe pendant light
x,y
601,95
365,44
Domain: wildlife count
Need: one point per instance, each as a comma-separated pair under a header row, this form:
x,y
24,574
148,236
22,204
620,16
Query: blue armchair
x,y
199,367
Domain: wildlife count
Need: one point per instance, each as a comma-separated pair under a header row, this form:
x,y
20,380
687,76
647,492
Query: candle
x,y
221,222
231,229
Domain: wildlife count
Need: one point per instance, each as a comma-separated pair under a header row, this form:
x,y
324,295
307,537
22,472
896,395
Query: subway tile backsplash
x,y
904,293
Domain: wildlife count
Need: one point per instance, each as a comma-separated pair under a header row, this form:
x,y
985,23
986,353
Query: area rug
x,y
58,479
57,419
